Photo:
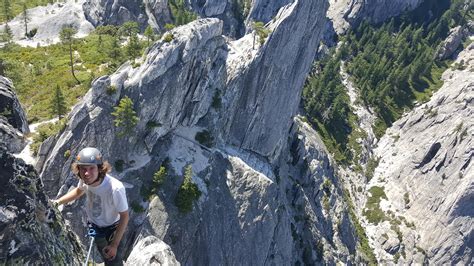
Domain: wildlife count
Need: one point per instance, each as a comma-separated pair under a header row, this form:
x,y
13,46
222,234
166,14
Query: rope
x,y
92,234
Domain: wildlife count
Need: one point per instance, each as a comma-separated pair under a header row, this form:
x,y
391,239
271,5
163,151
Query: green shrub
x,y
67,154
159,177
372,163
372,210
216,100
326,203
168,37
136,207
45,131
364,246
152,124
188,192
119,164
111,90
205,138
180,13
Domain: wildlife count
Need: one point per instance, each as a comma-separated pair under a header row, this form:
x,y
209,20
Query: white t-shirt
x,y
105,201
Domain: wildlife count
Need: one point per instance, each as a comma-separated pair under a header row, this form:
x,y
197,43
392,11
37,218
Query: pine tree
x,y
160,176
7,11
67,37
188,192
125,117
261,31
26,18
133,47
150,35
58,104
115,51
128,29
7,34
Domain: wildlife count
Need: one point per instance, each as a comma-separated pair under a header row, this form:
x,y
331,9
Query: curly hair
x,y
104,168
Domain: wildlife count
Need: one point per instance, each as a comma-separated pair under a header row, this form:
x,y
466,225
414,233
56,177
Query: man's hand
x,y
110,251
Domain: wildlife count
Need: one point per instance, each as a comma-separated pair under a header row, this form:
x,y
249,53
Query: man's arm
x,y
70,196
111,250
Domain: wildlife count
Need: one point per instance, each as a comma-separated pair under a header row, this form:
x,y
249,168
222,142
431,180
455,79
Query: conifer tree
x,y
67,37
150,35
7,11
26,18
58,104
7,34
128,29
261,31
133,47
125,117
114,51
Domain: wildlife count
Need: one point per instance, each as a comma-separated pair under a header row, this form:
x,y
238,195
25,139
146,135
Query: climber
x,y
106,206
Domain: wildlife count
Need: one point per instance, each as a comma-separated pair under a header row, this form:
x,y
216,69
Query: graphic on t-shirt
x,y
96,206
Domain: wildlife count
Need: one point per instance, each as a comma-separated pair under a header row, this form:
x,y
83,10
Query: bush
x,y
45,131
67,154
136,207
187,193
111,90
205,138
372,211
168,37
119,165
216,100
159,177
152,124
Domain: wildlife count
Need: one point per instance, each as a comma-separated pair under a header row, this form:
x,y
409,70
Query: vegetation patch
x,y
188,192
372,210
372,163
136,207
393,65
363,241
180,12
205,138
35,72
119,164
45,131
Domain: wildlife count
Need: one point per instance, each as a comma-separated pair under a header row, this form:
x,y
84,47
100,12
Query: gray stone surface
x,y
261,203
13,124
261,114
347,13
117,12
447,48
427,156
152,251
32,233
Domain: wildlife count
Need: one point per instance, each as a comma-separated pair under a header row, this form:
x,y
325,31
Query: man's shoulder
x,y
115,183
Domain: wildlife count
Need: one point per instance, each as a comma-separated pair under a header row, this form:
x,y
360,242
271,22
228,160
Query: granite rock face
x,y
268,193
261,114
427,175
347,13
152,251
31,231
451,44
13,124
114,12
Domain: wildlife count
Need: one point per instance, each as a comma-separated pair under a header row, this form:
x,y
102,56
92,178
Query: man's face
x,y
89,173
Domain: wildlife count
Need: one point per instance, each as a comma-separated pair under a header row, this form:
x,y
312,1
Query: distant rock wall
x,y
427,174
346,13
